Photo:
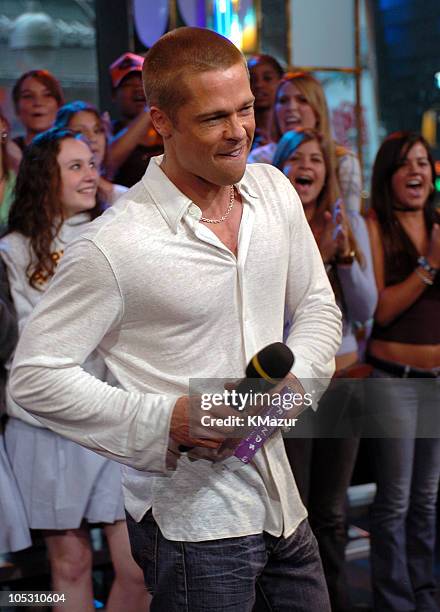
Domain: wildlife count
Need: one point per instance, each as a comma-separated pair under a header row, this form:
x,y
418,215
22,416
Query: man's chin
x,y
231,178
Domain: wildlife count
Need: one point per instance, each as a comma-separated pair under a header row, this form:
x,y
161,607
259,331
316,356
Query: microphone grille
x,y
275,360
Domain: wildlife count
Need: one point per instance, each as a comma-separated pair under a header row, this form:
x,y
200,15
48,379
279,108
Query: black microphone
x,y
263,372
267,368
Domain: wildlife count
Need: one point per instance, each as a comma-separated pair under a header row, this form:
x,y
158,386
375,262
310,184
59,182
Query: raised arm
x,y
124,143
350,181
357,281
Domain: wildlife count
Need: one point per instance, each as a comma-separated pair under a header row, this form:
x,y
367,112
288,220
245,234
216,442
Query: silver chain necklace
x,y
226,215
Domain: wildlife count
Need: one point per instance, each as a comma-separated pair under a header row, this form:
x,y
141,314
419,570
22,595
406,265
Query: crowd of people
x,y
71,165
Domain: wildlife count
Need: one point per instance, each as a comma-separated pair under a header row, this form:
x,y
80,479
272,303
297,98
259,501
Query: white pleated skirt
x,y
62,483
14,530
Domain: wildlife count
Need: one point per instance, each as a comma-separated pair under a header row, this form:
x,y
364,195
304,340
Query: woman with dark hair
x,y
405,344
84,118
63,485
300,104
37,95
265,74
323,460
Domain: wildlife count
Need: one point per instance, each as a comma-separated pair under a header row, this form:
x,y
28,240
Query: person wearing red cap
x,y
136,140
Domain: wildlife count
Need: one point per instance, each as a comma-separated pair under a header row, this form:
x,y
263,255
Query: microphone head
x,y
273,361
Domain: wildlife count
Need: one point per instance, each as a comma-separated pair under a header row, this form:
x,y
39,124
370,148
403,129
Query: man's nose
x,y
235,129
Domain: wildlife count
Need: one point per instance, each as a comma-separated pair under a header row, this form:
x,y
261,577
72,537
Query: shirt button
x,y
194,211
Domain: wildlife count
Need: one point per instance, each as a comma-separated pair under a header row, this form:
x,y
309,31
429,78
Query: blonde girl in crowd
x,y
300,103
63,485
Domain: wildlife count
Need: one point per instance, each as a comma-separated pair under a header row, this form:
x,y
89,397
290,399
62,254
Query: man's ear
x,y
161,122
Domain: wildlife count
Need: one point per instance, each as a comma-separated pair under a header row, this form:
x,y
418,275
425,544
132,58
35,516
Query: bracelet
x,y
424,278
424,263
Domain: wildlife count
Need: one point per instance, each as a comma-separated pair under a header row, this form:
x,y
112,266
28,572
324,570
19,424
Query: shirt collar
x,y
170,201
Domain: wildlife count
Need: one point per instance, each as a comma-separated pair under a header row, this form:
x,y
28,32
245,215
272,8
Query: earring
x,y
4,136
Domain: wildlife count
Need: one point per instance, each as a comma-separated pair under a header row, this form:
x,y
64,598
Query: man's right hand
x,y
186,427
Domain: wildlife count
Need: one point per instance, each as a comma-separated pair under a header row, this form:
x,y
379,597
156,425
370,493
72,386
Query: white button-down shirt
x,y
164,300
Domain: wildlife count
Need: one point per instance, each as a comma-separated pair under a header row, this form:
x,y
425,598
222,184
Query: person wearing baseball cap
x,y
135,139
128,93
125,65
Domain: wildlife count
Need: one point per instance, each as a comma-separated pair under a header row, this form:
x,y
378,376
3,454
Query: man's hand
x,y
214,442
187,428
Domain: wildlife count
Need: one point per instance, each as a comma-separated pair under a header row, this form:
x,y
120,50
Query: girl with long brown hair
x,y
405,351
84,118
63,485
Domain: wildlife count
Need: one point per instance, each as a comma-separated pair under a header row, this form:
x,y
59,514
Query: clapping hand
x,y
340,234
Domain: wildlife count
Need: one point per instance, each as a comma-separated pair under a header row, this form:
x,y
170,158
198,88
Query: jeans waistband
x,y
400,370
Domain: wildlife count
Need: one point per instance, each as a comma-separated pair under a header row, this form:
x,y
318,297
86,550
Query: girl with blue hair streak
x,y
323,460
300,104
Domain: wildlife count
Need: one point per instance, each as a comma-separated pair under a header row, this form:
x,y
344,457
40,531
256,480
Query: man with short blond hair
x,y
188,276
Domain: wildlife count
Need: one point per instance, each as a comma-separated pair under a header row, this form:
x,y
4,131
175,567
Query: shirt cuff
x,y
152,451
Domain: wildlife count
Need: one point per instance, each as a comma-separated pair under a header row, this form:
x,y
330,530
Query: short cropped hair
x,y
180,52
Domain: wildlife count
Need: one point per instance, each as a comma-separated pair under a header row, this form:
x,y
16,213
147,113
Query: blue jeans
x,y
403,515
257,572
